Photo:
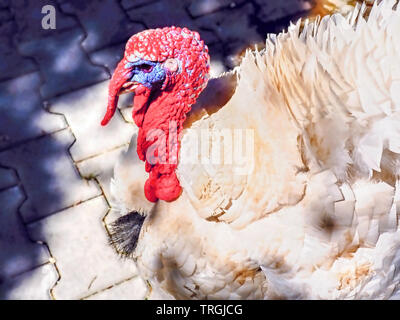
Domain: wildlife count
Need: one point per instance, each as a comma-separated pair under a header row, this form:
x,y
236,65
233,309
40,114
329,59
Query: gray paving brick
x,y
218,60
22,115
200,8
232,26
4,3
133,289
49,177
127,114
31,285
129,4
101,167
104,22
64,64
17,252
158,295
172,12
12,64
269,11
126,101
162,13
112,216
28,16
84,110
8,178
78,242
5,15
110,56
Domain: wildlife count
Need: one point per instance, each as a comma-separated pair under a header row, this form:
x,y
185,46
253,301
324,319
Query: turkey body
x,y
308,206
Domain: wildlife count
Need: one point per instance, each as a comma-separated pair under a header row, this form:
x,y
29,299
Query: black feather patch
x,y
124,232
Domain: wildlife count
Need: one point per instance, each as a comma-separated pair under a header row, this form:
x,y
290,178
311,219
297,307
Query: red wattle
x,y
168,187
164,186
158,145
140,101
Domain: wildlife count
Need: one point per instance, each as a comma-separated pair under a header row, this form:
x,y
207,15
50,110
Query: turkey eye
x,y
145,67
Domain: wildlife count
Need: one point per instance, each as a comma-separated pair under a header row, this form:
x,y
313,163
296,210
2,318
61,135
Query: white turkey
x,y
282,181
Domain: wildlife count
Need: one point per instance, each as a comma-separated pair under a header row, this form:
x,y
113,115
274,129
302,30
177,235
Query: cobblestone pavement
x,y
56,160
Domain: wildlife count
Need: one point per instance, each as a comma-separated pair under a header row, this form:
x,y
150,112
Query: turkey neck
x,y
158,143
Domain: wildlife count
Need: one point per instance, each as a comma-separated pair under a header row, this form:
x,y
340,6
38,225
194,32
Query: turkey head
x,y
166,69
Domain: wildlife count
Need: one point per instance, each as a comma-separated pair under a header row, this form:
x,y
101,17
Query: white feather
x,y
317,213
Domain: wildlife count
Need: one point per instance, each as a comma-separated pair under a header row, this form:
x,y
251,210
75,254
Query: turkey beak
x,y
118,85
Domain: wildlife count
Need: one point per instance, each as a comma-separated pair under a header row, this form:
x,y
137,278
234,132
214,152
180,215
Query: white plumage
x,y
316,214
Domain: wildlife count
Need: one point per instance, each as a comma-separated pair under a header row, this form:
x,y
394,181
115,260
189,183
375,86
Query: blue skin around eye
x,y
148,79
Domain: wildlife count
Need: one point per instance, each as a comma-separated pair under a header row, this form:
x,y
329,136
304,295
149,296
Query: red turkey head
x,y
166,69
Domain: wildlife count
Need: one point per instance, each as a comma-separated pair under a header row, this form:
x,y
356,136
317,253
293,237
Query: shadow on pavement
x,y
37,65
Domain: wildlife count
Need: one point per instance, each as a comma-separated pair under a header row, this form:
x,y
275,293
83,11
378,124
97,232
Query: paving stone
x,y
162,13
5,15
101,167
158,295
79,244
31,285
269,11
8,178
84,110
127,114
50,179
133,289
28,16
236,50
64,64
12,64
129,4
112,216
17,252
4,3
200,8
172,12
126,101
217,59
110,56
22,115
232,26
217,67
104,21
236,31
